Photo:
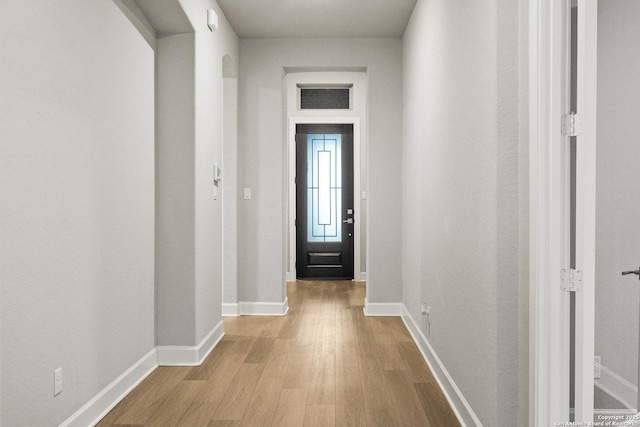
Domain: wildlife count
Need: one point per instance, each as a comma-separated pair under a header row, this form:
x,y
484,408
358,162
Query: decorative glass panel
x,y
324,188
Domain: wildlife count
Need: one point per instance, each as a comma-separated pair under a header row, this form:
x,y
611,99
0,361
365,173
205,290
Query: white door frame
x,y
549,57
356,115
549,224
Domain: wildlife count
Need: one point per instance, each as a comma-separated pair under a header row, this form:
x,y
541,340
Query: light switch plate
x,y
57,381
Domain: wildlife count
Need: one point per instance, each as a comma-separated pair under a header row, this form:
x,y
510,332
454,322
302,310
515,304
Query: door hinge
x,y
572,124
571,280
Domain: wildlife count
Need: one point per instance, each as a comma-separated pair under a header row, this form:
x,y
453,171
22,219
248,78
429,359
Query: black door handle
x,y
636,272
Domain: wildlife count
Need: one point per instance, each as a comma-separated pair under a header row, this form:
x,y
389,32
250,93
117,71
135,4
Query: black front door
x,y
324,211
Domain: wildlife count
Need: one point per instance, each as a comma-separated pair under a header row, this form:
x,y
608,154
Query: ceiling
x,y
317,18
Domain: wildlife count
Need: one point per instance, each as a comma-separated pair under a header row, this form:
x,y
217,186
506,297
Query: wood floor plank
x,y
326,335
320,416
408,406
140,405
389,357
238,395
224,423
378,326
379,408
263,403
350,409
344,325
291,408
261,350
398,329
366,350
308,329
298,372
173,408
324,363
362,329
199,414
346,349
290,326
244,326
415,364
322,386
386,338
221,379
276,365
272,326
435,406
204,371
242,345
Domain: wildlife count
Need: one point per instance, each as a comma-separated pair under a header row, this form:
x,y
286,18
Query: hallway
x,y
147,174
322,364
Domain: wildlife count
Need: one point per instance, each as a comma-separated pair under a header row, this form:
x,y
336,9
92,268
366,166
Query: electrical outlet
x,y
597,367
57,381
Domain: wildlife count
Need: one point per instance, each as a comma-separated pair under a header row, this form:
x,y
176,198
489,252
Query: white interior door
x,y
617,215
607,311
583,173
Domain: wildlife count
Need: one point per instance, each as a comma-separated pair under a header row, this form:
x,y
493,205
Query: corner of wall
x,y
456,399
100,405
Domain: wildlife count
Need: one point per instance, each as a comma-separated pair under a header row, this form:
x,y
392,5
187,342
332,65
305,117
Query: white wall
x,y
230,185
175,197
618,175
190,140
464,211
76,228
211,48
262,233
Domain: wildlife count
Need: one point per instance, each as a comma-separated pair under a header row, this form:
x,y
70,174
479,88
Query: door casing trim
x,y
548,214
357,116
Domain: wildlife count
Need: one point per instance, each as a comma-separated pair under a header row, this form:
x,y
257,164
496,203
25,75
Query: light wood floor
x,y
323,364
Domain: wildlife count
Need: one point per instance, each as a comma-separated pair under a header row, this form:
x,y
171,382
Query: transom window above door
x,y
320,97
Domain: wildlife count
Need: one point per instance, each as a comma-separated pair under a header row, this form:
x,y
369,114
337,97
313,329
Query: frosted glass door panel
x,y
324,188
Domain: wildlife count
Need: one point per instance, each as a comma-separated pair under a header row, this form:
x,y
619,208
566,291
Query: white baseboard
x,y
264,308
617,387
231,310
171,355
458,403
95,409
383,309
